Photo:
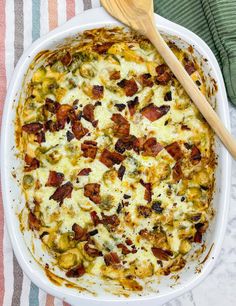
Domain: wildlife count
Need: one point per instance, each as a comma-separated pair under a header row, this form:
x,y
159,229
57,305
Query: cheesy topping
x,y
119,165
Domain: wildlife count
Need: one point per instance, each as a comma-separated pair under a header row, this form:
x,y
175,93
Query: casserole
x,y
8,157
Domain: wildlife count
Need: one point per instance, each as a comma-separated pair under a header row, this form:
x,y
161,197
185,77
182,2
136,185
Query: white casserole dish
x,y
168,288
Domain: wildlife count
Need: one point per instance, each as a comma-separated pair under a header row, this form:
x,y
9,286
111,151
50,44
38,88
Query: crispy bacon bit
x,y
88,112
89,148
144,211
125,143
51,126
64,113
97,92
152,112
51,106
33,221
161,254
168,96
109,158
91,251
128,241
103,48
148,191
66,59
32,128
120,106
32,163
55,179
177,172
132,106
184,127
80,233
78,130
163,74
190,67
146,80
84,172
111,259
40,137
125,249
198,237
92,191
114,75
151,147
112,221
69,136
95,218
195,155
76,272
138,144
121,172
130,87
121,126
62,192
174,150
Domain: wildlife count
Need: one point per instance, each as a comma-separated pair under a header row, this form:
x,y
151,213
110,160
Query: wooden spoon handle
x,y
191,88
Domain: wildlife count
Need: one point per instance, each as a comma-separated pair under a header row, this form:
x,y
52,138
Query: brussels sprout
x,y
39,75
67,260
58,67
87,71
185,246
28,181
53,157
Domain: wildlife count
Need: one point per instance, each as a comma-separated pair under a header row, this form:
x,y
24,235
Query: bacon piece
x,y
121,126
174,150
148,191
51,106
114,75
132,106
66,59
128,241
151,147
195,155
97,92
113,220
92,191
152,112
163,74
146,80
31,163
177,172
40,137
111,259
144,211
91,251
125,249
32,128
130,87
78,130
62,192
52,126
69,136
84,171
198,237
89,148
125,143
161,254
88,112
80,233
34,222
64,113
54,179
201,228
95,218
102,48
109,159
190,67
120,106
121,172
76,272
138,144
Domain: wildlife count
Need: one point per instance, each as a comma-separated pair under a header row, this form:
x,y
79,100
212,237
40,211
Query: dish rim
x,y
80,23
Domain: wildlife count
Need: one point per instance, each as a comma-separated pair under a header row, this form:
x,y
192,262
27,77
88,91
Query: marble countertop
x,y
219,288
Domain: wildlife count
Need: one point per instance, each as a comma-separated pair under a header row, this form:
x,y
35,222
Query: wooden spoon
x,y
138,14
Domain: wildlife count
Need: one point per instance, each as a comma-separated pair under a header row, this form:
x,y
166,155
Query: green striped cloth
x,y
215,22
